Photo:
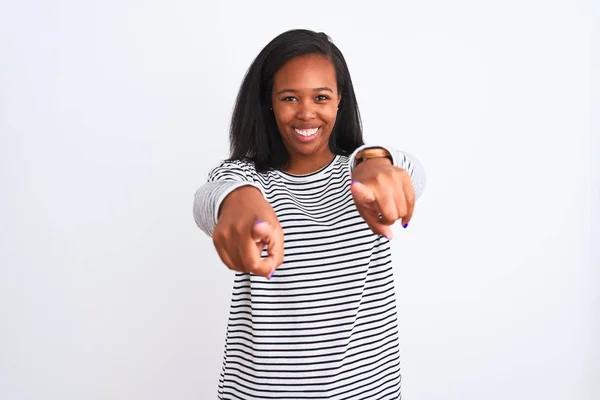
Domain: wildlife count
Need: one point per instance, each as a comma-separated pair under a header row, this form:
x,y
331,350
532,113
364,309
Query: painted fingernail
x,y
405,225
258,222
270,275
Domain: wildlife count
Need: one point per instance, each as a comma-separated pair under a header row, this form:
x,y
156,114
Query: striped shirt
x,y
325,325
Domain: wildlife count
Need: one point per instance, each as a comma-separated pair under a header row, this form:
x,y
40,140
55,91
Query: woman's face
x,y
305,102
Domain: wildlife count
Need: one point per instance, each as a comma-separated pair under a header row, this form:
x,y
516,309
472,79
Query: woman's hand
x,y
246,224
383,194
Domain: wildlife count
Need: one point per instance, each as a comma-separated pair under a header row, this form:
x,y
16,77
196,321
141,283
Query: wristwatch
x,y
372,152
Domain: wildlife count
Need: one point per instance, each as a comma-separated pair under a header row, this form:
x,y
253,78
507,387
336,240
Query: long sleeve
x,y
222,180
404,160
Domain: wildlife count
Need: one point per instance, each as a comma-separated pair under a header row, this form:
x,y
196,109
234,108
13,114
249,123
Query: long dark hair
x,y
253,133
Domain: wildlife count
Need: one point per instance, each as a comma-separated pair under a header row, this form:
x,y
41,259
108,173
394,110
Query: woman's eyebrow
x,y
319,89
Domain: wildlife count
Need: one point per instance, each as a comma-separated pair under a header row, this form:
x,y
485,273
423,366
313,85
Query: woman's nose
x,y
306,110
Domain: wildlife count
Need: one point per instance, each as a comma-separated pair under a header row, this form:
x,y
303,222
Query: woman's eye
x,y
320,97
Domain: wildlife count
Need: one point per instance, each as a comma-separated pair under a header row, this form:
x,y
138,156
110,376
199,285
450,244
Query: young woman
x,y
302,210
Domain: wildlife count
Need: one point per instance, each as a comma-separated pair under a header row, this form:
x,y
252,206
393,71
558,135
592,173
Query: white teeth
x,y
306,132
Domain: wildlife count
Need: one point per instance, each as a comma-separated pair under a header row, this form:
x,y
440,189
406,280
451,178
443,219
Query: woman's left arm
x,y
385,189
403,160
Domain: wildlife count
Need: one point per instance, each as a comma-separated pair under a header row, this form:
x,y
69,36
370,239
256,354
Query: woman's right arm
x,y
222,180
232,209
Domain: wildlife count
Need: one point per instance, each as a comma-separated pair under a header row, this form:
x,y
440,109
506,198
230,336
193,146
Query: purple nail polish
x,y
258,222
405,226
270,275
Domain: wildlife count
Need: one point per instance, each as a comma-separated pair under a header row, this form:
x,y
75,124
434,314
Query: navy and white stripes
x,y
325,325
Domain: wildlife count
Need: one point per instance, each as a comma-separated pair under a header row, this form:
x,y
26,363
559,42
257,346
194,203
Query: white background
x,y
112,113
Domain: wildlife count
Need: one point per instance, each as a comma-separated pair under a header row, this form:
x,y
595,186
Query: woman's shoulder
x,y
241,164
243,168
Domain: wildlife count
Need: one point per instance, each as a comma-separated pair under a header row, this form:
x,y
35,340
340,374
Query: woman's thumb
x,y
261,230
361,193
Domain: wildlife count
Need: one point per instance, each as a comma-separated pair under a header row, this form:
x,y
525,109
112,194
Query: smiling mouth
x,y
307,132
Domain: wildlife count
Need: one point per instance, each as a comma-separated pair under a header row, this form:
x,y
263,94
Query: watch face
x,y
373,153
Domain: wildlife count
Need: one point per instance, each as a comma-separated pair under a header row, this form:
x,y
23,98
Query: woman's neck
x,y
305,165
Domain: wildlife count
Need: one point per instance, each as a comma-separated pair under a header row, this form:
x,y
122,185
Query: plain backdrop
x,y
112,113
